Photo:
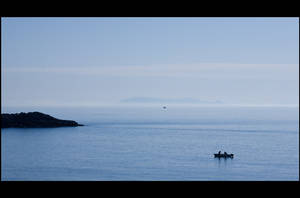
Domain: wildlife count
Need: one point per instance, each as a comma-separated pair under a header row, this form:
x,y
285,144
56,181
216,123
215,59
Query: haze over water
x,y
151,143
229,84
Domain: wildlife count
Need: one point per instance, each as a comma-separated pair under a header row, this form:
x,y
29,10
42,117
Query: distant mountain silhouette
x,y
168,100
33,120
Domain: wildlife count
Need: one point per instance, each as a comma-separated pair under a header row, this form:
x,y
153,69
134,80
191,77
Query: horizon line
x,y
151,105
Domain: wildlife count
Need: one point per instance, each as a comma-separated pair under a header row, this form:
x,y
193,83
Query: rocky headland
x,y
34,120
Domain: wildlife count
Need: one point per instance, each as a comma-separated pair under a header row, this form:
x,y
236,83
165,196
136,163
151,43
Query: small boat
x,y
223,155
164,107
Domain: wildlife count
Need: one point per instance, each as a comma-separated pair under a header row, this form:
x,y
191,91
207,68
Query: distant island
x,y
34,120
169,100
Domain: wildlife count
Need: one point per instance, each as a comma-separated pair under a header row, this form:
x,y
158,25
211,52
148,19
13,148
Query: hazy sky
x,y
95,61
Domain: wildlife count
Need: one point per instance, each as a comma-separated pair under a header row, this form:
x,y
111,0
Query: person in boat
x,y
225,154
219,153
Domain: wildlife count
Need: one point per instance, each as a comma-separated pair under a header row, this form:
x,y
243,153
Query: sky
x,y
104,61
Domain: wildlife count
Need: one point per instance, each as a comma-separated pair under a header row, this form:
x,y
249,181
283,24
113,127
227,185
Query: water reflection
x,y
223,161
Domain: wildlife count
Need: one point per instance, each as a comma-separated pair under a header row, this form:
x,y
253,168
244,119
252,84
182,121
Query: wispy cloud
x,y
203,70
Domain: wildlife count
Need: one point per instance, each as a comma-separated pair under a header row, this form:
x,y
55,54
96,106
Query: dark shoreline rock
x,y
34,120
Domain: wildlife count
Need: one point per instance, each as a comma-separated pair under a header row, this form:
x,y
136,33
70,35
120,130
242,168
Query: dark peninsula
x,y
34,120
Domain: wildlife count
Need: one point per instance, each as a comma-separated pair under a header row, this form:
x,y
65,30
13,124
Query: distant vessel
x,y
164,107
225,155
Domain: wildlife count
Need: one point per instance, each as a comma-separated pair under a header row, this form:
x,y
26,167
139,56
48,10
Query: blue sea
x,y
152,144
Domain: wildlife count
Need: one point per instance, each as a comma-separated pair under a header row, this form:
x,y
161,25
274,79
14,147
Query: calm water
x,y
150,143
